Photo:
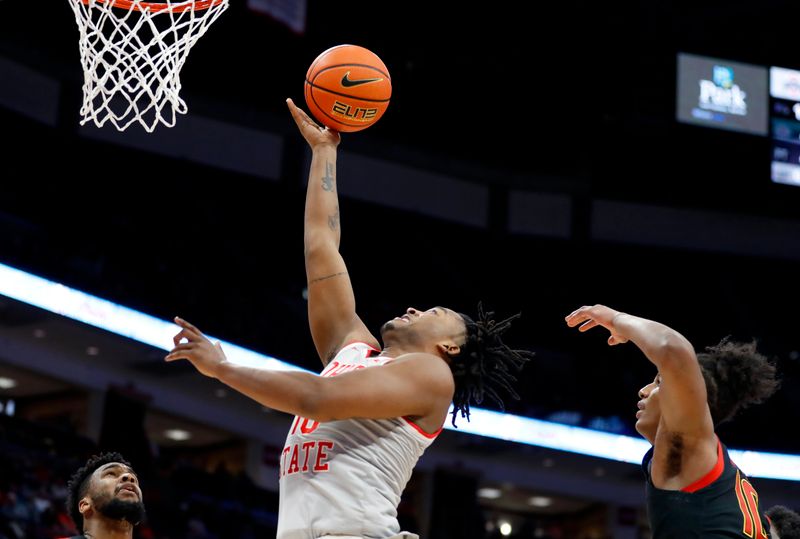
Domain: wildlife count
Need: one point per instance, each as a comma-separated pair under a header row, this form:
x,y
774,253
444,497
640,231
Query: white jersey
x,y
346,477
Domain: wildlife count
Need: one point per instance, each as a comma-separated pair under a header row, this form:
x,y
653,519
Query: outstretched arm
x,y
331,302
684,404
415,385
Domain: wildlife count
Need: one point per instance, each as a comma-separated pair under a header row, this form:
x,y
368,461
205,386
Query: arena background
x,y
531,161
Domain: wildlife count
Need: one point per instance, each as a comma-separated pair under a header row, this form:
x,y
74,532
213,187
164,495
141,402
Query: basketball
x,y
348,88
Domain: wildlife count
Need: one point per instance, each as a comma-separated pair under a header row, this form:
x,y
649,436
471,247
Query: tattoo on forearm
x,y
333,220
312,281
328,179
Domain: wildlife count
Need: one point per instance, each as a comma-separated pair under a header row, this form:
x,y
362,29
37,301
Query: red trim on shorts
x,y
419,429
711,476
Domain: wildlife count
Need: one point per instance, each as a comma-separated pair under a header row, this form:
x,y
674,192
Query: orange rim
x,y
188,5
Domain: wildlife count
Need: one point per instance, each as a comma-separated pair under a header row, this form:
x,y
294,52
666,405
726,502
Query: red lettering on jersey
x,y
283,460
333,367
308,426
748,504
318,465
307,450
747,527
339,368
293,466
751,496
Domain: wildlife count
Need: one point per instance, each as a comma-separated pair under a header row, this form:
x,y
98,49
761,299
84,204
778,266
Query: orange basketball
x,y
348,88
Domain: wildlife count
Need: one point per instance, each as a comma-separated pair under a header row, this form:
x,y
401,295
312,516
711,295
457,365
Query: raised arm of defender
x,y
684,404
331,302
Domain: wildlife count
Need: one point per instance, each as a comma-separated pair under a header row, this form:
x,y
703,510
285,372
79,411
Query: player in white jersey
x,y
361,426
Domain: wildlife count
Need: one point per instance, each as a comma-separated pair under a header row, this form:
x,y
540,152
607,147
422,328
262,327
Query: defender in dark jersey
x,y
104,498
693,488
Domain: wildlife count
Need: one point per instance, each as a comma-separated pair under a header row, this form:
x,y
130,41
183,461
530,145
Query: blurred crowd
x,y
182,500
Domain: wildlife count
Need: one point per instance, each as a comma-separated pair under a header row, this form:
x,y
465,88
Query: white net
x,y
132,53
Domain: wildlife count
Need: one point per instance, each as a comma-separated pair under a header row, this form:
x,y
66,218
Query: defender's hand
x,y
205,356
311,131
597,315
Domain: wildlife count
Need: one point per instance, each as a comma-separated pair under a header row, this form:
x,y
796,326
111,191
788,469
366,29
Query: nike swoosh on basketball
x,y
347,82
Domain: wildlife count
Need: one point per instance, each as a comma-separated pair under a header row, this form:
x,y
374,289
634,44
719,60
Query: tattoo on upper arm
x,y
333,220
328,178
331,276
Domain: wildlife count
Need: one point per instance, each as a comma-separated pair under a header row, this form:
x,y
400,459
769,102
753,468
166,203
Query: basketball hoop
x,y
132,53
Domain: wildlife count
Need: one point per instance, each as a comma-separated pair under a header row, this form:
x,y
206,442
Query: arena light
x,y
112,317
489,493
147,329
540,433
540,501
178,435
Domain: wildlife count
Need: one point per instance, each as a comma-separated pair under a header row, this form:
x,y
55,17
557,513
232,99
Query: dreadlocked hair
x,y
737,376
785,521
483,364
78,484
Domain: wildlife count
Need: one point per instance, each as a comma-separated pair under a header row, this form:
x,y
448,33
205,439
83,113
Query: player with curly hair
x,y
694,490
784,523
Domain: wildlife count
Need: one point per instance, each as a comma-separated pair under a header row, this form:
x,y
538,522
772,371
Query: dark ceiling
x,y
573,97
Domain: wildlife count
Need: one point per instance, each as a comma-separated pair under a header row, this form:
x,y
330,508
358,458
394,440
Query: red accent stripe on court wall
x,y
711,476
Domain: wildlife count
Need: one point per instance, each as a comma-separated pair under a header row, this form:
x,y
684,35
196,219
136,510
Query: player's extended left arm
x,y
412,386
